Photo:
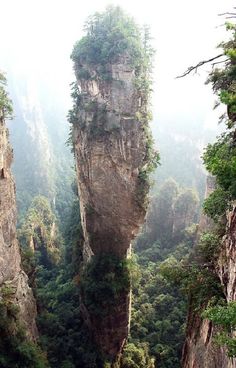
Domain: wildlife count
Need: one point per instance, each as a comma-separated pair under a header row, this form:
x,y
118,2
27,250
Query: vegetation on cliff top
x,y
112,37
109,35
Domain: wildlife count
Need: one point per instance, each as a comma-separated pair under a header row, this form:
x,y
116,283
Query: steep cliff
x,y
13,281
170,212
38,132
110,151
113,154
39,233
226,265
200,349
34,152
217,245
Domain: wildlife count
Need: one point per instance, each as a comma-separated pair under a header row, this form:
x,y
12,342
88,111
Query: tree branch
x,y
230,15
227,13
219,62
201,63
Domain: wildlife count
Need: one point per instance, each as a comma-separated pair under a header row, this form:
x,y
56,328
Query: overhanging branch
x,y
229,14
201,63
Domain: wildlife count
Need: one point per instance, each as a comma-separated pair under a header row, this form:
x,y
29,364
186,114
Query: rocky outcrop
x,y
226,266
12,277
110,150
184,212
205,222
200,350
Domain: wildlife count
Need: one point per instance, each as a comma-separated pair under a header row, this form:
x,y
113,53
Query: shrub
x,y
225,317
208,247
15,348
103,281
216,204
6,109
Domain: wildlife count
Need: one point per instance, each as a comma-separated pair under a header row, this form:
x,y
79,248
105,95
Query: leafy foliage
x,y
63,335
225,317
6,110
159,306
220,160
108,36
39,232
136,356
113,37
103,281
220,157
207,248
199,283
216,204
15,348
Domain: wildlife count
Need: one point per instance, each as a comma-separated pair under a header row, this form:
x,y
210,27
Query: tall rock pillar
x,y
113,153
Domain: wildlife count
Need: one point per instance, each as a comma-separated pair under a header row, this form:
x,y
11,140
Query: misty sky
x,y
37,36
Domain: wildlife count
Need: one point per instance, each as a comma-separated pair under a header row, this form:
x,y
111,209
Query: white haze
x,y
36,37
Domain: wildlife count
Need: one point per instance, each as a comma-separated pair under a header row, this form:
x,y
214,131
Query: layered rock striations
x,y
112,153
110,150
12,277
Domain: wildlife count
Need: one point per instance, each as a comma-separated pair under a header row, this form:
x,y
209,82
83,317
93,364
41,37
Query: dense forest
x,y
178,270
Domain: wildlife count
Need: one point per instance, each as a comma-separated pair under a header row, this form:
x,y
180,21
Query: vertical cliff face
x,y
200,350
184,211
219,159
34,153
38,132
113,155
12,278
226,265
110,150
